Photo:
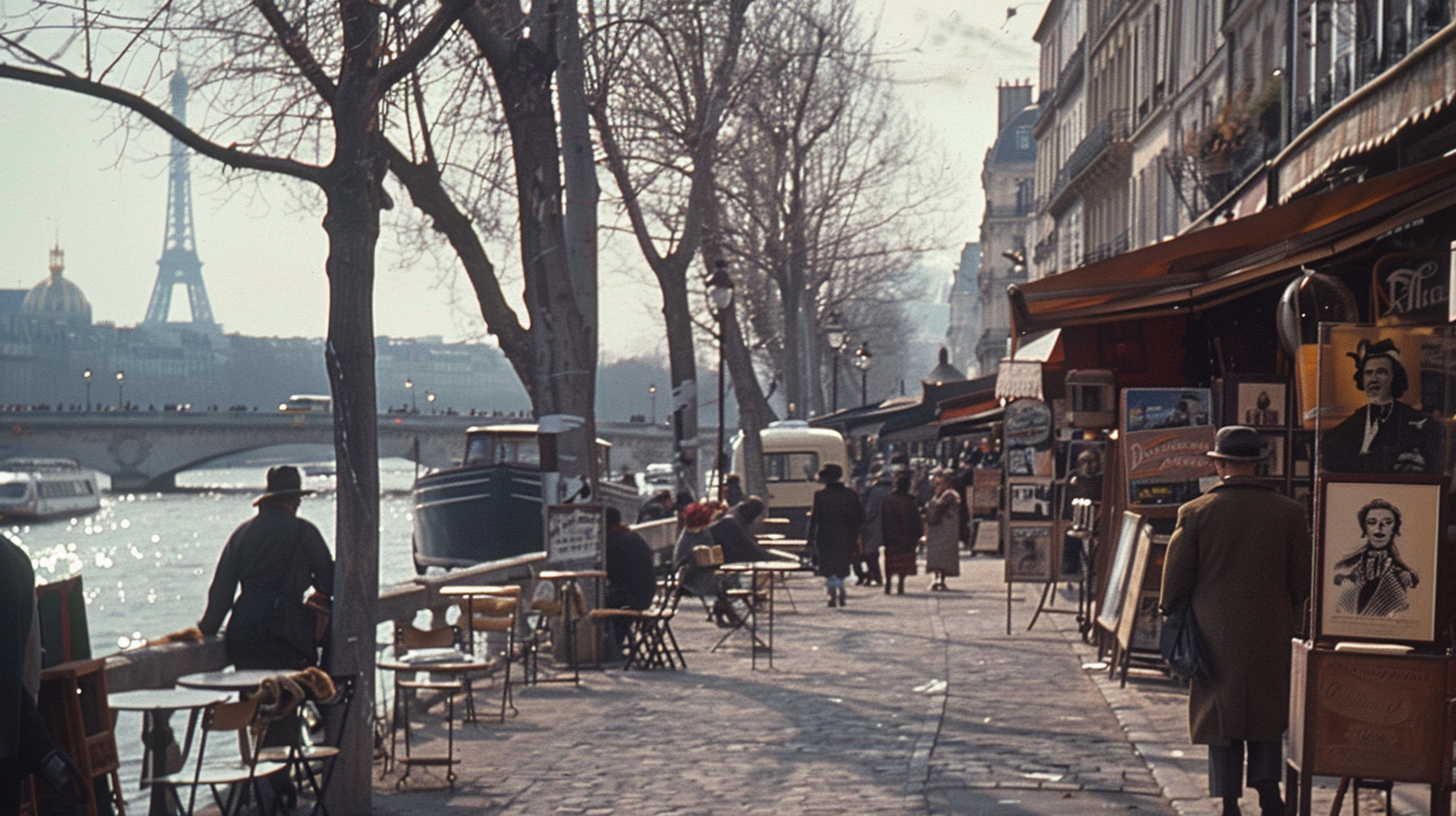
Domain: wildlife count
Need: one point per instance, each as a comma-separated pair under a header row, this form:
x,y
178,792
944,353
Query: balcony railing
x,y
1116,246
1113,128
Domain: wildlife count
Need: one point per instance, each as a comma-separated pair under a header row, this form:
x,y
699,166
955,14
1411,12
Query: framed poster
x,y
1380,391
1256,401
1028,438
1164,466
987,536
1146,409
1147,622
575,534
1031,499
1377,563
1110,604
1274,455
1029,556
985,491
1144,577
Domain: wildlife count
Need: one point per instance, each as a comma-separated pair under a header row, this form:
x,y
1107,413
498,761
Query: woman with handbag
x,y
1240,558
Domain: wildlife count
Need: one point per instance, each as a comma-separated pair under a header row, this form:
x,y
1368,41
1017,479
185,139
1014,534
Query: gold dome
x,y
57,297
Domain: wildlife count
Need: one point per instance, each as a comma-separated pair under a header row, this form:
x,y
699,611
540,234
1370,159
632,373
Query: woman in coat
x,y
1240,554
943,531
901,528
834,525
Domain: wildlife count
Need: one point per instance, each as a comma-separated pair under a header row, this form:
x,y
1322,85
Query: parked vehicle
x,y
45,488
793,453
306,403
492,506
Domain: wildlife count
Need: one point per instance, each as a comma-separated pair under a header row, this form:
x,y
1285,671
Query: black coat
x,y
23,737
1407,441
834,526
630,580
275,556
738,545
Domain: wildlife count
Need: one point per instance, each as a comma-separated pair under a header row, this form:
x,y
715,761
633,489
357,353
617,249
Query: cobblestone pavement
x,y
913,704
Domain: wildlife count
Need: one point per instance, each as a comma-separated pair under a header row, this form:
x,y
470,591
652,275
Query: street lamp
x,y
862,361
835,335
86,375
120,403
409,385
720,296
430,398
652,392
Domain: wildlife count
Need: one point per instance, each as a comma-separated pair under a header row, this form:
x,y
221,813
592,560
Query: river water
x,y
146,559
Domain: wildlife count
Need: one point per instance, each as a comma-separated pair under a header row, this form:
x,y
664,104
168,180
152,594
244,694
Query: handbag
x,y
1181,644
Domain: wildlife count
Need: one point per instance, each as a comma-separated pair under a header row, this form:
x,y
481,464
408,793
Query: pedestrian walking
x,y
942,530
834,526
901,528
867,565
1241,556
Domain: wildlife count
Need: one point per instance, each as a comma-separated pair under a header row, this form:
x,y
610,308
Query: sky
x,y
67,176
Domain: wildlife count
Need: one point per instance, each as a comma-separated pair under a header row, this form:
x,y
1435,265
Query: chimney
x,y
1013,97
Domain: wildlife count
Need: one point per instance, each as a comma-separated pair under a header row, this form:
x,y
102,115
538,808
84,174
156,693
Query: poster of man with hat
x,y
1386,434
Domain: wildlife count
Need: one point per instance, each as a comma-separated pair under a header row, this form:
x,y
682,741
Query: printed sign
x,y
1164,466
1028,438
575,534
1412,287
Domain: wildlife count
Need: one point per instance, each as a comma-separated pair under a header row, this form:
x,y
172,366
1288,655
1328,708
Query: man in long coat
x,y
1241,556
834,526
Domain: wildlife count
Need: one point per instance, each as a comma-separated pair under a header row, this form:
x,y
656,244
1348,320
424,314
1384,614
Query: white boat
x,y
43,488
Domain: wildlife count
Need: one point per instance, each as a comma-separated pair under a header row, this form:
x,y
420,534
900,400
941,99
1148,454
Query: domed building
x,y
57,299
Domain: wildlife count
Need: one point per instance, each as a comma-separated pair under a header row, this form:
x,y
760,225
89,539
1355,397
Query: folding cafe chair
x,y
650,642
497,615
312,763
418,651
240,773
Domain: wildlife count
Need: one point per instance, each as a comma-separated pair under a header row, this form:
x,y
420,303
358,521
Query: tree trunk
x,y
683,367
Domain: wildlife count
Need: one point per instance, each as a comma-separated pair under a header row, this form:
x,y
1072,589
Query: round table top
x,y
480,589
763,566
163,699
556,575
239,680
467,665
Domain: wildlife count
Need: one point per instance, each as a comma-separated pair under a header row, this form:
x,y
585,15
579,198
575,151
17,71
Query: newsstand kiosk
x,y
1373,689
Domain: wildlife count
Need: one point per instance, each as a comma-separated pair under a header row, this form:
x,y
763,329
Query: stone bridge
x,y
145,450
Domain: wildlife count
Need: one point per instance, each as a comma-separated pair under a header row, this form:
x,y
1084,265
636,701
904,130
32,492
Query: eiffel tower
x,y
179,264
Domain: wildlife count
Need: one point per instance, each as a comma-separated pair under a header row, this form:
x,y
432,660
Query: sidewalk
x,y
914,704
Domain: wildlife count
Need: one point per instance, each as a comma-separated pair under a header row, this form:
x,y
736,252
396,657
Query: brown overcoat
x,y
1242,553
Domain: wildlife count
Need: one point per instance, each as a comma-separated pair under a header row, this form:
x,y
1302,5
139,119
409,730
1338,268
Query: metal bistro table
x,y
775,569
156,707
239,680
568,590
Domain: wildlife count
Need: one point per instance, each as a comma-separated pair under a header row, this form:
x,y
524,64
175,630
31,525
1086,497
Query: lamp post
x,y
120,403
720,296
430,398
836,337
86,376
863,359
409,385
652,392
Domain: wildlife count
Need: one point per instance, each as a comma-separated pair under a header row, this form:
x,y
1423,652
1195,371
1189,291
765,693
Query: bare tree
x,y
822,199
666,76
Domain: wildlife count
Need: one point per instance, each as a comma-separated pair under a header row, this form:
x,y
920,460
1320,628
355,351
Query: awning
x,y
849,419
1040,347
1208,267
921,418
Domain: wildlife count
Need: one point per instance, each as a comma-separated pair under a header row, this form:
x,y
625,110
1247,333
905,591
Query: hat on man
x,y
831,473
1237,443
284,481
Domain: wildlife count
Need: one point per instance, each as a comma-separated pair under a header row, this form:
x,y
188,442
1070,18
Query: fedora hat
x,y
284,481
831,473
1237,443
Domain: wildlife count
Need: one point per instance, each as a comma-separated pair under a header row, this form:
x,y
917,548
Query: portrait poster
x,y
1031,499
1164,466
1389,422
1145,409
1027,442
1110,604
1259,402
1029,556
1378,558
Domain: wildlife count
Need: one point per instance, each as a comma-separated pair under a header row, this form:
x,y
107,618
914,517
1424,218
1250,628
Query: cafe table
x,y
775,570
568,586
158,740
239,680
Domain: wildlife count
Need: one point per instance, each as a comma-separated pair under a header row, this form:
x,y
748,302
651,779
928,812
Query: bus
x,y
306,404
793,453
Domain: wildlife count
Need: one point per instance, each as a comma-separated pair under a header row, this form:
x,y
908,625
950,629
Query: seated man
x,y
630,579
730,532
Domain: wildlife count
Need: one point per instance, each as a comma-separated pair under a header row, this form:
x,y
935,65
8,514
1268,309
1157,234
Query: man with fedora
x,y
1241,556
834,526
275,556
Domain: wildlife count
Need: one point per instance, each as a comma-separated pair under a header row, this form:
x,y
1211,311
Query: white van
x,y
793,454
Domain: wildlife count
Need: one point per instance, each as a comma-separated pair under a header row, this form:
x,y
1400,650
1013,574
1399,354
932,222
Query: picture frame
x,y
1147,622
1109,606
1258,401
987,537
1145,567
1030,557
1030,499
1378,569
1273,463
1147,409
